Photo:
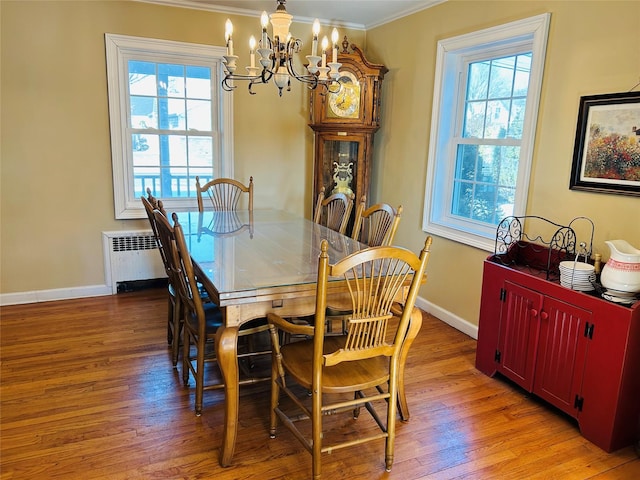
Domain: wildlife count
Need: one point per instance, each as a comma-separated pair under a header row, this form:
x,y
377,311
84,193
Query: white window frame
x,y
447,97
121,48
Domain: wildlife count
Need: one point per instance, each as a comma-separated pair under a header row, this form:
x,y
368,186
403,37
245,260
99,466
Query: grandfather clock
x,y
344,122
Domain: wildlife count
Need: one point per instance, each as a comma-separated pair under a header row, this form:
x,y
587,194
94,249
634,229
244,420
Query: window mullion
x,y
511,142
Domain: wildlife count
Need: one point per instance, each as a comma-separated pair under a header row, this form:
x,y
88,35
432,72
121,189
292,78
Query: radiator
x,y
131,256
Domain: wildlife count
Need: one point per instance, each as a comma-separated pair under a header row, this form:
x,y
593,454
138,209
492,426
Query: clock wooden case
x,y
344,122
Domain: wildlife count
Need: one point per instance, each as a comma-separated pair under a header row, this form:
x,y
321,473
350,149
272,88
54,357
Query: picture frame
x,y
606,157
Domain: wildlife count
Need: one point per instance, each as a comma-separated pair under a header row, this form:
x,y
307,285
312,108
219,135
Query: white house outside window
x,y
170,120
486,99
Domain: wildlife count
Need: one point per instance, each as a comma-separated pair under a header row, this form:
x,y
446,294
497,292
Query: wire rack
x,y
538,244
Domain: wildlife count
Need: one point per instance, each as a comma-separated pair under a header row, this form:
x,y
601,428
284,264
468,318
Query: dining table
x,y
251,263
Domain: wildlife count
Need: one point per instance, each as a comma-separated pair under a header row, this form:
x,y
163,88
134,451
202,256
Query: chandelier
x,y
276,54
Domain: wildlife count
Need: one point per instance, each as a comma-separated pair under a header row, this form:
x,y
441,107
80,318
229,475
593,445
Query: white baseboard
x,y
447,317
54,294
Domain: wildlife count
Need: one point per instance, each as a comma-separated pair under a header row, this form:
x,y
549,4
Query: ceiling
x,y
357,14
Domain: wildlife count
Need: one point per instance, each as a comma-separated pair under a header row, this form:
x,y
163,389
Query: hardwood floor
x,y
88,391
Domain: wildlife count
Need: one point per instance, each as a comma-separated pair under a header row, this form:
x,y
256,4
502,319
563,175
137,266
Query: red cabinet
x,y
575,350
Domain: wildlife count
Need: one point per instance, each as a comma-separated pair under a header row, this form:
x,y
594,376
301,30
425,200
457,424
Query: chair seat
x,y
297,359
213,317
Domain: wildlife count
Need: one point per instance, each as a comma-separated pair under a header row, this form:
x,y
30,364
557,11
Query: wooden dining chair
x,y
377,224
224,193
174,315
361,368
174,321
373,226
201,320
334,211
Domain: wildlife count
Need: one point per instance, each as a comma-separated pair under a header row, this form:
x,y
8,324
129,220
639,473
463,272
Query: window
x,y
170,120
485,104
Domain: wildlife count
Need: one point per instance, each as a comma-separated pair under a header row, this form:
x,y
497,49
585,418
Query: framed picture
x,y
606,155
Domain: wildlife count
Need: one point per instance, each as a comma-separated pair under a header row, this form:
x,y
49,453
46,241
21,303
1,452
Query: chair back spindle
x,y
334,211
377,224
224,193
374,285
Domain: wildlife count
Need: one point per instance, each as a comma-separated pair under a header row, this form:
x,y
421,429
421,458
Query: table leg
x,y
226,351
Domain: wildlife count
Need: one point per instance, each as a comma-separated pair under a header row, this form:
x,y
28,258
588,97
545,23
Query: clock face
x,y
345,103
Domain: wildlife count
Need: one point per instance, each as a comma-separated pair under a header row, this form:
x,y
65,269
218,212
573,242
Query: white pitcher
x,y
622,270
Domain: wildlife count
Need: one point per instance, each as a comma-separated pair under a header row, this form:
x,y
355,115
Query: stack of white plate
x,y
577,276
619,296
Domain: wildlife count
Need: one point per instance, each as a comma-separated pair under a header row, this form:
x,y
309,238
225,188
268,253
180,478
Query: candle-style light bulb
x,y
325,44
316,31
228,32
334,40
252,49
264,20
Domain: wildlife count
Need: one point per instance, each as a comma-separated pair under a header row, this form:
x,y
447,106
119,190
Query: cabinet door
x,y
519,334
562,349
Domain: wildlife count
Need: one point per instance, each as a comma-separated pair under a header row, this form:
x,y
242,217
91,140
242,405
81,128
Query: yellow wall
x,y
56,182
56,188
592,49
